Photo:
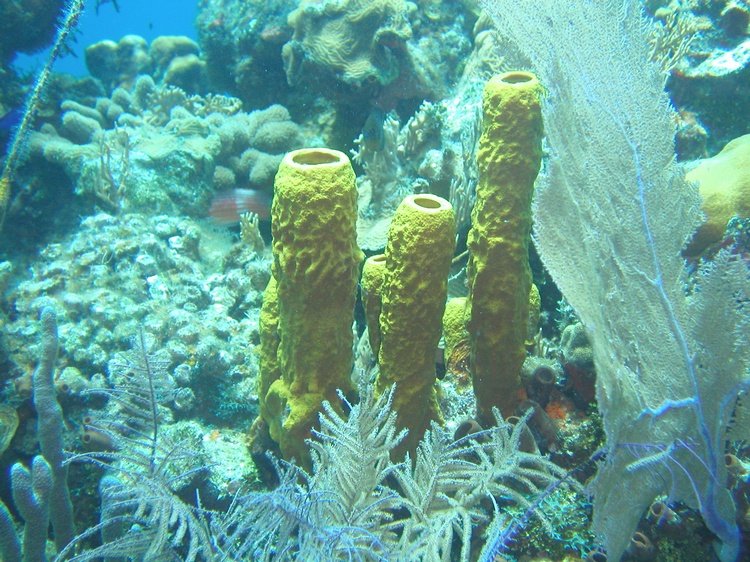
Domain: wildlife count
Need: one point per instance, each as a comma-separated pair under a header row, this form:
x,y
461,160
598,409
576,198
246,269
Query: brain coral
x,y
357,40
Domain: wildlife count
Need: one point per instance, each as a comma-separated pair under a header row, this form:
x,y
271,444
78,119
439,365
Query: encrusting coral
x,y
171,276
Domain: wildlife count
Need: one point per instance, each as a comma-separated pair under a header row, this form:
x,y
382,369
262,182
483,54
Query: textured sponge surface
x,y
316,266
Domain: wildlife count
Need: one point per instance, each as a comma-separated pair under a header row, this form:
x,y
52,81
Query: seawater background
x,y
147,18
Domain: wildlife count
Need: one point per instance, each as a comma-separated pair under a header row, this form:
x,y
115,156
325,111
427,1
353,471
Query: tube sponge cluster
x,y
497,308
421,241
315,268
308,310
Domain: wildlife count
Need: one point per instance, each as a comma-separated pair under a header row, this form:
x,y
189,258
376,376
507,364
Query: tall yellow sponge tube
x,y
269,350
418,255
373,272
497,313
316,268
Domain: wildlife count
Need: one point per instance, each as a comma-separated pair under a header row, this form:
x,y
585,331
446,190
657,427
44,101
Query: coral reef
x,y
430,153
391,171
170,60
170,276
708,83
340,56
371,48
241,41
359,41
195,363
434,151
114,150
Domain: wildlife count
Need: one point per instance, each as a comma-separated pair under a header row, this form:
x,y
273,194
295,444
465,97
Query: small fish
x,y
373,136
100,2
227,207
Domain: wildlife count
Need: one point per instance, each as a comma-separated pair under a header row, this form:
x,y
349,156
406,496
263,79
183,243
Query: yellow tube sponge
x,y
535,311
509,157
316,267
454,328
269,347
373,273
418,257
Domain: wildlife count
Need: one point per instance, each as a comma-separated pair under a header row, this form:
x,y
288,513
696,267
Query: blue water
x,y
147,18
